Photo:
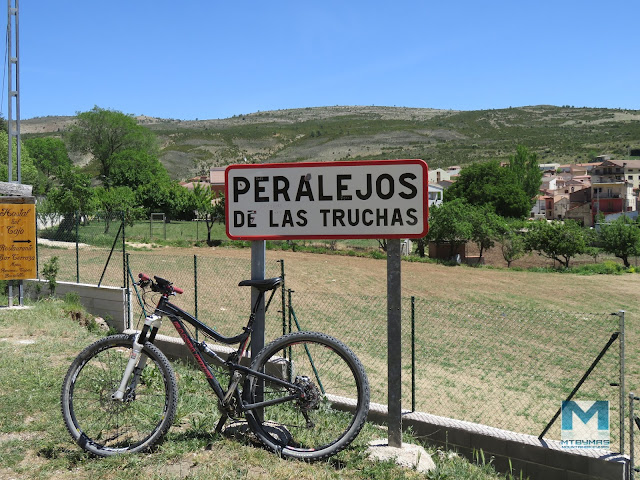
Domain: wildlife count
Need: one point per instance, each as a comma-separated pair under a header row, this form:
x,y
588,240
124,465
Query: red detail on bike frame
x,y
187,341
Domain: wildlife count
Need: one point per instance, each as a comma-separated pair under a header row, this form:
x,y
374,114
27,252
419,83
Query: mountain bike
x,y
305,395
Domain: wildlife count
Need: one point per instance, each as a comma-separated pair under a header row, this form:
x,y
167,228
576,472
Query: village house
x,y
614,187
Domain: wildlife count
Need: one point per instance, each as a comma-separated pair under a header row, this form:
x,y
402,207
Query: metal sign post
x,y
394,330
370,199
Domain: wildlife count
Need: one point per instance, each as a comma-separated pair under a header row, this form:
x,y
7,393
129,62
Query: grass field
x,y
36,347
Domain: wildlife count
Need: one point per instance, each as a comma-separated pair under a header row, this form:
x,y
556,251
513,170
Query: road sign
x,y
17,238
368,199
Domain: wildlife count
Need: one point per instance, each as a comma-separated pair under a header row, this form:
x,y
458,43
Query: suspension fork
x,y
137,360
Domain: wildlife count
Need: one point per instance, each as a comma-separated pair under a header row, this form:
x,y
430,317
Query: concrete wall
x,y
106,302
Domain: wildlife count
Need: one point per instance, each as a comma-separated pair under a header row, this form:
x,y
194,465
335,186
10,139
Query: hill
x,y
440,137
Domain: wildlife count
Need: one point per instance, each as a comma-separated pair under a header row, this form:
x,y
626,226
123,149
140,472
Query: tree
x,y
490,184
621,238
49,154
512,243
168,197
74,194
450,223
112,201
560,241
486,227
525,171
210,206
103,133
134,168
28,171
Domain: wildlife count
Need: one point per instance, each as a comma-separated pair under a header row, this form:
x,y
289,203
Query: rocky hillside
x,y
441,137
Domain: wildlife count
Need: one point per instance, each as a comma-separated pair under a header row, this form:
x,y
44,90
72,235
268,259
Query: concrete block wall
x,y
106,302
512,452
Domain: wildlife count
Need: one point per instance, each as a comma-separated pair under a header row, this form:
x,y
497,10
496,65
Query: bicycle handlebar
x,y
160,285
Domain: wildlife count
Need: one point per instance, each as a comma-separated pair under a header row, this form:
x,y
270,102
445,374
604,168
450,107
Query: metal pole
x,y
413,353
622,365
283,299
631,439
394,341
77,247
258,264
195,288
124,250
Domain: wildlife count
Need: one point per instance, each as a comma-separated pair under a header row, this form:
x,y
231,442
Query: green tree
x,y
486,227
103,133
525,171
560,241
450,223
170,198
28,172
490,184
134,168
112,201
210,206
621,238
49,154
73,194
512,242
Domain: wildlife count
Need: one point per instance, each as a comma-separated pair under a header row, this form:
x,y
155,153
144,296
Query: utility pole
x,y
13,129
13,94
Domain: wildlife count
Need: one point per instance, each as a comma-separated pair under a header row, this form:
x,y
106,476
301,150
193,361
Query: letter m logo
x,y
584,411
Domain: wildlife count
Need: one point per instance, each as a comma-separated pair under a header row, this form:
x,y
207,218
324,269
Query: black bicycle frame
x,y
175,314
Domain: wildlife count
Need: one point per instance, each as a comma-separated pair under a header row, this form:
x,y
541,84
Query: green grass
x,y
34,443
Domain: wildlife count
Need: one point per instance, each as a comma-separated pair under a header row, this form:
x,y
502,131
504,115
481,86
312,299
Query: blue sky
x,y
215,59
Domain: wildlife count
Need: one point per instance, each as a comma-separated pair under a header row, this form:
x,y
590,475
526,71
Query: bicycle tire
x,y
103,426
336,396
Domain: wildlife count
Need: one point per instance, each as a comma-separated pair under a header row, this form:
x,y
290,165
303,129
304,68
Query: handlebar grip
x,y
144,277
177,290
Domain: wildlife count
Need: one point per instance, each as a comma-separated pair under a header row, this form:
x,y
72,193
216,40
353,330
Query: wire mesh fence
x,y
90,249
500,366
504,366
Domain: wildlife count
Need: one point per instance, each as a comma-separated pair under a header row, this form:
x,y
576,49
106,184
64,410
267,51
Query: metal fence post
x,y
621,387
124,250
195,284
284,298
632,397
128,292
77,247
413,353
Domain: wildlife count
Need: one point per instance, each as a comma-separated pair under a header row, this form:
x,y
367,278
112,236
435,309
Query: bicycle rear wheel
x,y
335,401
104,426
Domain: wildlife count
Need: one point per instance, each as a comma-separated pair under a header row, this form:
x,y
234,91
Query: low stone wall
x,y
106,302
512,452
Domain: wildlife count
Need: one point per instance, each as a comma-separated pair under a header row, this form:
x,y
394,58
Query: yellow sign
x,y
17,239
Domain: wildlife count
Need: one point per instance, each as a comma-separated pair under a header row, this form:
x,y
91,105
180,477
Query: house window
x,y
630,177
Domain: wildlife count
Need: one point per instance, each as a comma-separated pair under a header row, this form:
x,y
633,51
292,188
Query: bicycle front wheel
x,y
104,426
331,396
